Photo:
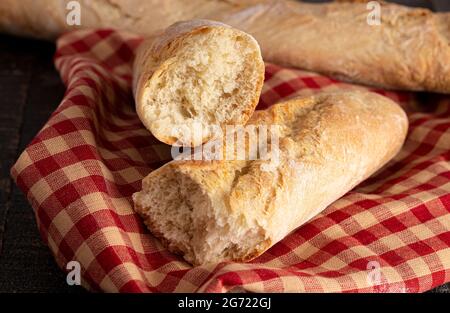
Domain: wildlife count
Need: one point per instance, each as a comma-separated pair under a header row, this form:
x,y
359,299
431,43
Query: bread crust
x,y
158,53
328,144
409,50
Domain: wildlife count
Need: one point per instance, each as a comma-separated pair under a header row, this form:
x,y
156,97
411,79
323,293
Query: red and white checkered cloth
x,y
390,234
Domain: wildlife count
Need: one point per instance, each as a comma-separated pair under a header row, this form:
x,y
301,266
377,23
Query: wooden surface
x,y
30,89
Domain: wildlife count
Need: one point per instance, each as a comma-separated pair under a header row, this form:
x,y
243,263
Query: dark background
x,y
30,89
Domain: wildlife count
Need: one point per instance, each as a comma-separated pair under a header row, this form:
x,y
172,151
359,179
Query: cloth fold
x,y
389,234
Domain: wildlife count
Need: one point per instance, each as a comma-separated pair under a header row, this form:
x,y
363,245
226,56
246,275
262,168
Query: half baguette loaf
x,y
213,211
198,75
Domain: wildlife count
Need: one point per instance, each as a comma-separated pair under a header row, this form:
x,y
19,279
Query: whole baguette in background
x,y
197,75
409,50
213,211
47,19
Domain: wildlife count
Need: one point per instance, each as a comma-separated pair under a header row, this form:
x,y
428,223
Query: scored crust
x,y
409,50
233,210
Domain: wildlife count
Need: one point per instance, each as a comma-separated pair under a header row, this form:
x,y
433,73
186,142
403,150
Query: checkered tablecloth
x,y
390,234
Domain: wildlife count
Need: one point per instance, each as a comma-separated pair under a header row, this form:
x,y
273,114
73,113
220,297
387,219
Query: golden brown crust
x,y
263,246
406,51
409,50
328,144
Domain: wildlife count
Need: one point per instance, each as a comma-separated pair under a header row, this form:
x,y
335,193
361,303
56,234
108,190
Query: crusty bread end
x,y
194,79
234,210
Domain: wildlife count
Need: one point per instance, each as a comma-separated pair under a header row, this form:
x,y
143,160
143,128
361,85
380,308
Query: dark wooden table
x,y
30,89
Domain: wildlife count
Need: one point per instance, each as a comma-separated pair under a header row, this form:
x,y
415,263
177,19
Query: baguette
x,y
234,210
409,50
197,75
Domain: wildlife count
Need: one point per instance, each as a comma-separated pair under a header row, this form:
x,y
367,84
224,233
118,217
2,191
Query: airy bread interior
x,y
176,209
213,80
